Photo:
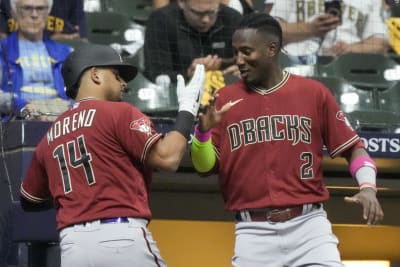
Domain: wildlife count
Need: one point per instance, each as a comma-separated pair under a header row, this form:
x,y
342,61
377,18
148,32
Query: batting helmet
x,y
92,55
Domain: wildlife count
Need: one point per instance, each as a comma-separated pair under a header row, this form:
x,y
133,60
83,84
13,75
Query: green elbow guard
x,y
203,155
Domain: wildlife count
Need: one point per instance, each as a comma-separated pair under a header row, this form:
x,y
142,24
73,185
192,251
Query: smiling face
x,y
31,16
201,15
256,52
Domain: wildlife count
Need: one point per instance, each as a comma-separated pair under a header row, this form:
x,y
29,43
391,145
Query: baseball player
x,y
264,135
309,30
95,163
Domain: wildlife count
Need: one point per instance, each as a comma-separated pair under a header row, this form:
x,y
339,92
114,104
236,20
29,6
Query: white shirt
x,y
361,19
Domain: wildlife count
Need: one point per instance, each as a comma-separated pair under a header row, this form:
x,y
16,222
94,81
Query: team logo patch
x,y
141,125
342,117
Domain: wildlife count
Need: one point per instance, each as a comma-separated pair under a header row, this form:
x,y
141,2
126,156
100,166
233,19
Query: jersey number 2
x,y
306,170
84,160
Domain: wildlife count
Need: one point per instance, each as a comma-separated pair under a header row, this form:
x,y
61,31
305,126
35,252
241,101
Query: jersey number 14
x,y
67,157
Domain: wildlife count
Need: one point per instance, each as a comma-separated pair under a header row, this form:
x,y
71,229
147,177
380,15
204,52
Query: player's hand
x,y
210,116
372,211
189,96
323,24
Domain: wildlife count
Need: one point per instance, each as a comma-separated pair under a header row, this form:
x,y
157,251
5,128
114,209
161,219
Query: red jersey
x,y
91,163
270,145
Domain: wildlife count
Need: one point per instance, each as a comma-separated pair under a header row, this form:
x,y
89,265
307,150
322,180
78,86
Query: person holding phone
x,y
329,28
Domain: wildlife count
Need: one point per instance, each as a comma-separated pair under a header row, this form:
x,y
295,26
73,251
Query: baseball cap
x,y
93,55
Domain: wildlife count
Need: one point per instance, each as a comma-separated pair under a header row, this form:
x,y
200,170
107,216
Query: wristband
x,y
363,168
362,161
203,155
366,177
201,136
184,123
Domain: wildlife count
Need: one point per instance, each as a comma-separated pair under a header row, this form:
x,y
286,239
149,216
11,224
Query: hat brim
x,y
127,71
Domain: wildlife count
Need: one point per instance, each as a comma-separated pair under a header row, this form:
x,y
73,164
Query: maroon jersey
x,y
270,145
91,163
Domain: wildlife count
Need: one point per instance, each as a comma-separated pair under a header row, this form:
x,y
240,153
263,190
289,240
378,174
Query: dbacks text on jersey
x,y
250,131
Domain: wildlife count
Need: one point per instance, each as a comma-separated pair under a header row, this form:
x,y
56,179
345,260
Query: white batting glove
x,y
189,96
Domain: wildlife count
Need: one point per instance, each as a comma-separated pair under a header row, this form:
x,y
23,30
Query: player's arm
x,y
32,206
363,169
168,151
34,193
202,151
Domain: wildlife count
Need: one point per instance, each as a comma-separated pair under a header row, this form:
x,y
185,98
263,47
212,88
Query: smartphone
x,y
69,28
334,8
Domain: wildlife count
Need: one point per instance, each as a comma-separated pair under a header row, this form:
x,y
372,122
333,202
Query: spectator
x,y
309,31
243,6
66,20
31,62
390,8
159,3
189,32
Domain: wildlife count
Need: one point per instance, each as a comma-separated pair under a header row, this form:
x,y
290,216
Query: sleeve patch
x,y
342,117
142,125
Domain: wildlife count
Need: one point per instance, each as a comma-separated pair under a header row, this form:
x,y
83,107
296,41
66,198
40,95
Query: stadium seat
x,y
150,98
389,100
349,97
107,27
73,43
136,10
285,61
361,106
374,121
291,66
137,59
365,71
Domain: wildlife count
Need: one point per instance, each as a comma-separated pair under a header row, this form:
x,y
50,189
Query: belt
x,y
115,220
275,215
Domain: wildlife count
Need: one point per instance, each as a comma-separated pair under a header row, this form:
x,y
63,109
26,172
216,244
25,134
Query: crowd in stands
x,y
31,58
181,33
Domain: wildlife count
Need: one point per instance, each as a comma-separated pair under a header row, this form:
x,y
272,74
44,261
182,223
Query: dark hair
x,y
262,22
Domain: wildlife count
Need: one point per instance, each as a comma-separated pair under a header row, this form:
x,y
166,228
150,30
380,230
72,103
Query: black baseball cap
x,y
93,55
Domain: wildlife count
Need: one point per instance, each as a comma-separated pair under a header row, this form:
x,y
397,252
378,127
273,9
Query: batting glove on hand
x,y
189,96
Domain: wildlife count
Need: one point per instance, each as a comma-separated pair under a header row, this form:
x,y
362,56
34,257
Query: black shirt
x,y
171,44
